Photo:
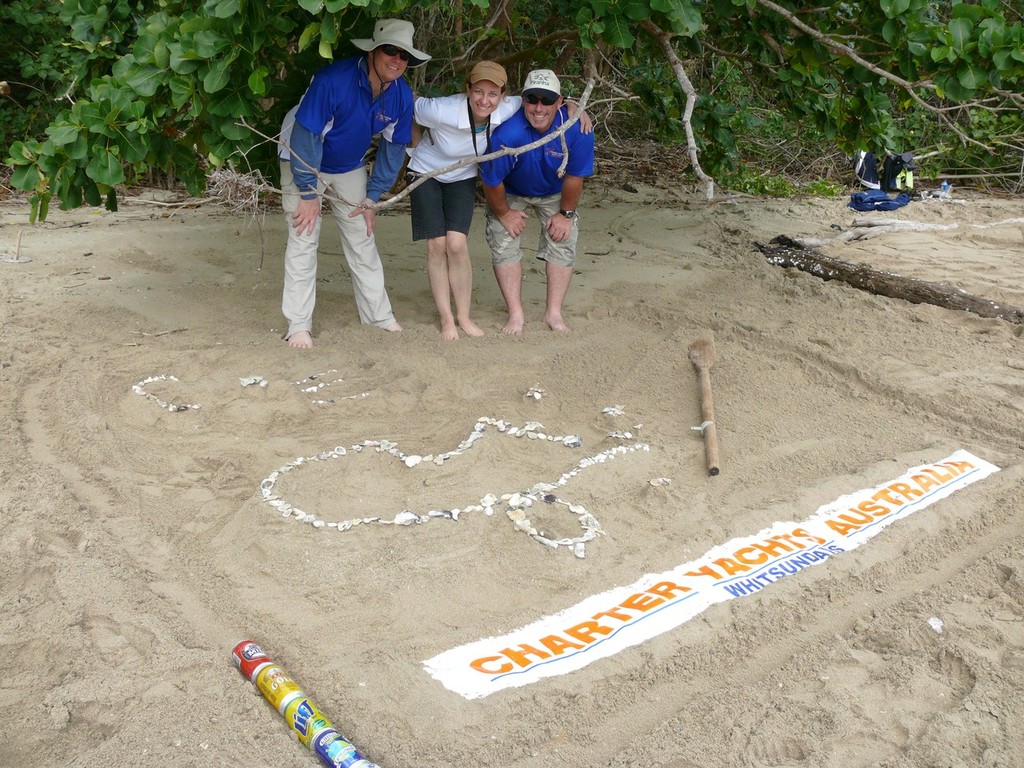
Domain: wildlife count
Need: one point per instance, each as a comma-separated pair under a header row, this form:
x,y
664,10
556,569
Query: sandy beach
x,y
139,542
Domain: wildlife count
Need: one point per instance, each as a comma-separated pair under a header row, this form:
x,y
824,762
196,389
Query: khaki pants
x,y
360,253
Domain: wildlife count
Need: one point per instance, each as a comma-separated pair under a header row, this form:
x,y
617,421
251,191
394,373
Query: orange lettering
x,y
611,613
841,528
788,537
858,518
878,510
668,589
519,655
959,466
906,490
587,630
641,602
705,570
942,477
480,665
730,566
805,535
774,548
557,645
885,494
741,555
925,482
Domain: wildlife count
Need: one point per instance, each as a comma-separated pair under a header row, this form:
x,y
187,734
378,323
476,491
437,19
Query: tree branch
x,y
848,52
665,40
514,151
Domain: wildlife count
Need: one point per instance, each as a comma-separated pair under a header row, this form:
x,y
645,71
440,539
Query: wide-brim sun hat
x,y
397,33
544,82
488,70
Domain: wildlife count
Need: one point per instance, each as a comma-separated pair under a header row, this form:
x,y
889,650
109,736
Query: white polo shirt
x,y
449,137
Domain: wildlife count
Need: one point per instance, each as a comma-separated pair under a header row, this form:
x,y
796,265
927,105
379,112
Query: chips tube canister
x,y
302,715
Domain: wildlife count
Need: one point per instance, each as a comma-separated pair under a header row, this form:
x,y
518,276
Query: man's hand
x,y
368,210
559,228
514,221
305,216
586,124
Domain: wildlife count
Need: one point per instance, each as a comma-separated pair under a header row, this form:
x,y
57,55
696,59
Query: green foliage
x,y
34,62
167,85
823,188
767,184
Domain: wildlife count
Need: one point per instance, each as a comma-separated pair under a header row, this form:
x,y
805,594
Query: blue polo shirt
x,y
340,101
535,173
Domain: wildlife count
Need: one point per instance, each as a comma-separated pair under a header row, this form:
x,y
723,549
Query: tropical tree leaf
x,y
63,134
217,76
105,168
960,34
617,32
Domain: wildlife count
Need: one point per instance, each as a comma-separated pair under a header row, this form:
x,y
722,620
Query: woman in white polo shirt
x,y
454,128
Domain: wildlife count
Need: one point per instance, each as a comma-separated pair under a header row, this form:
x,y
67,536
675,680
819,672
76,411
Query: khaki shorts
x,y
505,248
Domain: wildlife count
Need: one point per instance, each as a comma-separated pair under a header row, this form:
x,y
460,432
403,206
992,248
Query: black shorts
x,y
439,207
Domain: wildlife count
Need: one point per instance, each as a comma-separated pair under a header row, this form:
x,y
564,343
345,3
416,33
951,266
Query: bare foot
x,y
300,340
514,326
470,328
556,323
448,330
393,328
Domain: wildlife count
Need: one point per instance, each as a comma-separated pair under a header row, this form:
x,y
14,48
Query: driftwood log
x,y
784,251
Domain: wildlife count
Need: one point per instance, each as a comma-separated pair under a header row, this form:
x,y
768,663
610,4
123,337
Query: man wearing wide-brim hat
x,y
324,143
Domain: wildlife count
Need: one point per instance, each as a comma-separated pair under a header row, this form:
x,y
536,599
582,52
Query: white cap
x,y
542,81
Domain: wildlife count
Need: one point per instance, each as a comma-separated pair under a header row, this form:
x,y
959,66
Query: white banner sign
x,y
604,624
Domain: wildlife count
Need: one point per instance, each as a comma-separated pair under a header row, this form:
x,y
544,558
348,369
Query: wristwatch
x,y
569,214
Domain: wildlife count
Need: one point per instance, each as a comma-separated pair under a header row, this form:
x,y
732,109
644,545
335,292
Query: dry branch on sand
x,y
786,252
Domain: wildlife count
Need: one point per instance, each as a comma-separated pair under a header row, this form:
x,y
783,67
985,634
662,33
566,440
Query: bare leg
x,y
437,275
300,340
460,277
510,278
558,285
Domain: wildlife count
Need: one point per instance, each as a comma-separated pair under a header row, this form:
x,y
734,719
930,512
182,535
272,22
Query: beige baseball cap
x,y
489,70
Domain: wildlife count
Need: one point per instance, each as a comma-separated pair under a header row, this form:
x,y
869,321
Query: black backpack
x,y
898,173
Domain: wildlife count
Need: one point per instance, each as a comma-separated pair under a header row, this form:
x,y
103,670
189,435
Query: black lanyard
x,y
472,128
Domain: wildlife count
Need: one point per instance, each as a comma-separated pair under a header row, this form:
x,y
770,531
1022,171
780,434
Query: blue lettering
x,y
807,558
302,715
781,569
741,588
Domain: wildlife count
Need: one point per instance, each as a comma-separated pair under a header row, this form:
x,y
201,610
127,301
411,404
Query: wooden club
x,y
702,355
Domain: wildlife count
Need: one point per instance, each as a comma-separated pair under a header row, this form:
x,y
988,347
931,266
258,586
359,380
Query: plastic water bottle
x,y
945,187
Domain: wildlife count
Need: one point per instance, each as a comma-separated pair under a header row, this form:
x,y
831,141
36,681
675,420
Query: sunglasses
x,y
394,50
533,98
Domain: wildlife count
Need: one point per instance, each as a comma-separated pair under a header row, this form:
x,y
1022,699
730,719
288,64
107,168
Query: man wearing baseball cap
x,y
515,184
324,144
